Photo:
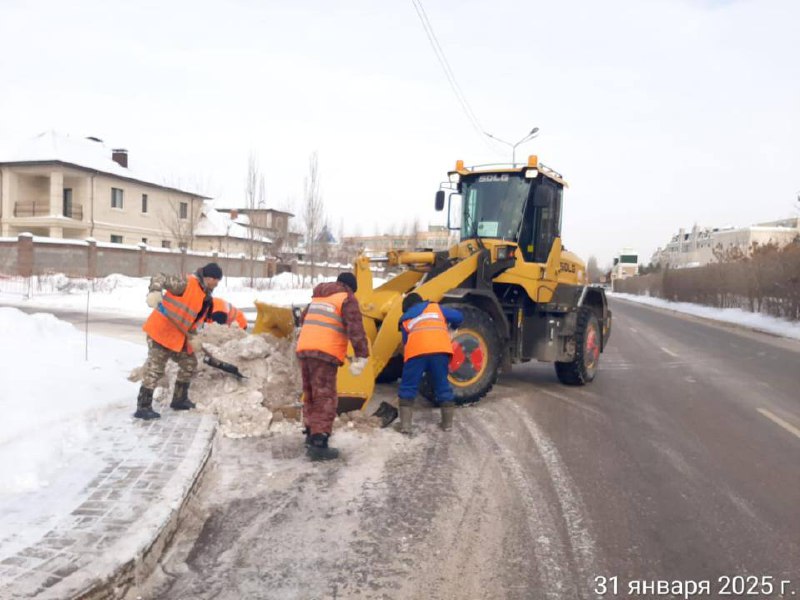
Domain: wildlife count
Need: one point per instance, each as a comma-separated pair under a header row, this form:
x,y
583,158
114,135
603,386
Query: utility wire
x,y
451,78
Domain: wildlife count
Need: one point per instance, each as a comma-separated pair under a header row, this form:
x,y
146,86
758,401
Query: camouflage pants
x,y
319,393
157,357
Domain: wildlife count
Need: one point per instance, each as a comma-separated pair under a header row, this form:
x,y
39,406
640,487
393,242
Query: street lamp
x,y
533,133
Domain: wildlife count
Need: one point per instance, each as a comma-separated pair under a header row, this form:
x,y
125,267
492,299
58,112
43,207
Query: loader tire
x,y
477,353
392,371
582,369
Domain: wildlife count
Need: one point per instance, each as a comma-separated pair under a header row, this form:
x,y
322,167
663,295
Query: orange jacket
x,y
323,328
427,333
233,314
175,316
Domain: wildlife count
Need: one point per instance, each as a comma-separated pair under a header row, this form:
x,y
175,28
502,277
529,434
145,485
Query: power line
x,y
451,78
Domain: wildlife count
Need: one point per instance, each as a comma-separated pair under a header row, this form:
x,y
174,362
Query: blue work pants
x,y
436,365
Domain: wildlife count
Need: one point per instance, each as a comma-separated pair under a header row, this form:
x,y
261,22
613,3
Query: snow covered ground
x,y
122,295
44,422
51,396
735,316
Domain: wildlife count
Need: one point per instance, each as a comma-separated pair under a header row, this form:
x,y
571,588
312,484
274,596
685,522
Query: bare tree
x,y
593,270
255,199
414,231
180,220
313,209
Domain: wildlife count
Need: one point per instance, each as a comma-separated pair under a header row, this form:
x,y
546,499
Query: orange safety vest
x,y
234,314
175,316
323,327
427,333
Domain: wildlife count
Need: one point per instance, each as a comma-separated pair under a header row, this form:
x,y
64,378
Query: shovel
x,y
222,366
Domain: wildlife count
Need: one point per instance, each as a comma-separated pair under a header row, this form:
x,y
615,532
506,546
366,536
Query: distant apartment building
x,y
701,246
626,264
62,187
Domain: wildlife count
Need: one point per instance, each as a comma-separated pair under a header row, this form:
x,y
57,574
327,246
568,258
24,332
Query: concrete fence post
x,y
25,254
91,258
142,259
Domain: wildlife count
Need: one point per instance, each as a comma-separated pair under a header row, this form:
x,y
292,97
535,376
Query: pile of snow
x,y
51,396
735,316
266,402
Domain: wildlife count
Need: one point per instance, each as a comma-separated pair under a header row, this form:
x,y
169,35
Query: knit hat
x,y
212,270
411,300
349,280
219,317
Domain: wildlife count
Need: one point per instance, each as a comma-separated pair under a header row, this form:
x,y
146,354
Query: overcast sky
x,y
660,114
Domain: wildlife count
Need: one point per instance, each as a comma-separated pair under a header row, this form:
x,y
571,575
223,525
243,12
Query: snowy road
x,y
680,462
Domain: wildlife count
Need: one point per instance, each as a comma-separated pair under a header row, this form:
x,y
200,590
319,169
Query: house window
x,y
144,240
144,203
184,210
67,203
116,198
166,244
116,239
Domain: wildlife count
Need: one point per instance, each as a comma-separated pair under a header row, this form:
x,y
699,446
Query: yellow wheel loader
x,y
523,296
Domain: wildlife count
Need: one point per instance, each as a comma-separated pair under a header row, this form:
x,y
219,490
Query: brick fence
x,y
26,256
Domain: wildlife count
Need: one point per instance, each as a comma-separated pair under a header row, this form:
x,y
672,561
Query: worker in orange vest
x,y
332,318
427,349
225,313
180,304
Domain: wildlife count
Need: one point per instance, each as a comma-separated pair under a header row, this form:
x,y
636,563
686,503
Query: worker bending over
x,y
427,349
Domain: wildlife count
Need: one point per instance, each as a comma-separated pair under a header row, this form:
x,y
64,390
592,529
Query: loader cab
x,y
521,206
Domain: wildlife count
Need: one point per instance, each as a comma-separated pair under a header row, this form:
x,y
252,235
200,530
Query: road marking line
x,y
670,352
778,421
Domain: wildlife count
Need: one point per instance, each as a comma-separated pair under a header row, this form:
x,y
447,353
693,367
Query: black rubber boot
x,y
144,405
307,433
180,397
318,448
406,411
448,410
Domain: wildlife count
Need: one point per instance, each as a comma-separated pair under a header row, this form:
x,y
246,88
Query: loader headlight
x,y
455,177
531,173
504,252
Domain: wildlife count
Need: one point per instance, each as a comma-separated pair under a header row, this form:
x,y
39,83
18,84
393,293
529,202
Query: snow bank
x,y
51,395
122,295
735,316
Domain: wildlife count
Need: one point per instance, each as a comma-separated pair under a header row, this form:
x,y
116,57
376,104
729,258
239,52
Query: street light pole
x,y
532,134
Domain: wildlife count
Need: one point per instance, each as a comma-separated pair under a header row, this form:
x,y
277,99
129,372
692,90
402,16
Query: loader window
x,y
493,206
542,222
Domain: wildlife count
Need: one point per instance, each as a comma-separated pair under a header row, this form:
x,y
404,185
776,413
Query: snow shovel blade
x,y
279,321
223,366
386,413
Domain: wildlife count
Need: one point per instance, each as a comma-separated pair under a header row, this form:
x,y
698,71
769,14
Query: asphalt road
x,y
680,462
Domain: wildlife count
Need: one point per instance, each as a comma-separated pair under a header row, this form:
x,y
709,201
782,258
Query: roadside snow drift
x,y
50,395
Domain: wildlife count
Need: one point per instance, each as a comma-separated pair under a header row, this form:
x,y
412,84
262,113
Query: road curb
x,y
115,571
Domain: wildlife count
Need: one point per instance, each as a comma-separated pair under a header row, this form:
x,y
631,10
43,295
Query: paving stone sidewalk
x,y
102,524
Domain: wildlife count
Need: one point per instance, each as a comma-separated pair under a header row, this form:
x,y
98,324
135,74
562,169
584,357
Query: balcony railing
x,y
42,209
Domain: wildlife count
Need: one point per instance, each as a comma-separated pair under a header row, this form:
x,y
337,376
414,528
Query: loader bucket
x,y
275,320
